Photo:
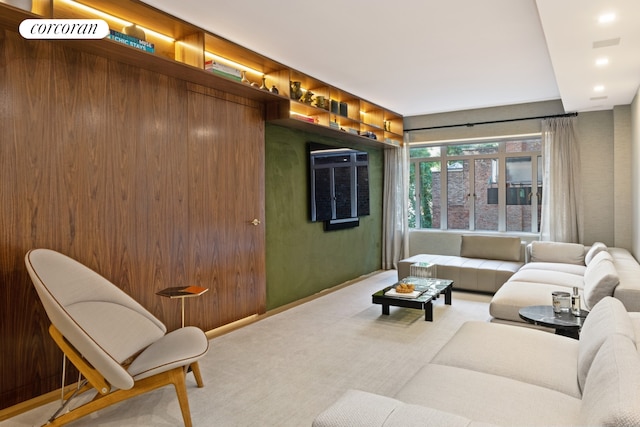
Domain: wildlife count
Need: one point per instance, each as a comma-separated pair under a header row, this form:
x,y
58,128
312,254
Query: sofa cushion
x,y
467,273
556,266
635,321
611,394
628,290
600,279
480,346
477,274
550,277
404,266
357,408
593,251
568,253
488,398
510,298
608,317
490,247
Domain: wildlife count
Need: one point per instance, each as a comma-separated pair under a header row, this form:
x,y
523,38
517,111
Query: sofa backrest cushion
x,y
566,253
490,247
593,251
600,279
607,318
611,395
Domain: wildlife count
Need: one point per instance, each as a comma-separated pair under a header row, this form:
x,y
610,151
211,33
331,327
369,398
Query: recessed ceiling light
x,y
598,88
601,62
605,18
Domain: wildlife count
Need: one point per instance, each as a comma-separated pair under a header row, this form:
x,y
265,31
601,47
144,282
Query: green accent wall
x,y
303,259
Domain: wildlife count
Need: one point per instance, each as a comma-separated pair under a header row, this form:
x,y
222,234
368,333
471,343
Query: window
x,y
486,186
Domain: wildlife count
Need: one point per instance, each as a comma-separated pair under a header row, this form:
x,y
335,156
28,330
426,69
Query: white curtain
x,y
394,216
561,192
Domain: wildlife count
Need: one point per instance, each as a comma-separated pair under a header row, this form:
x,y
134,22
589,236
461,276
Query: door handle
x,y
255,222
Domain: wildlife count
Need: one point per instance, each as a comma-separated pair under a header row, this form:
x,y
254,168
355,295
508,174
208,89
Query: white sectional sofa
x,y
483,263
596,270
496,374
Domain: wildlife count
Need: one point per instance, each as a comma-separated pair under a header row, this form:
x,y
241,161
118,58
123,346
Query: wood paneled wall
x,y
147,179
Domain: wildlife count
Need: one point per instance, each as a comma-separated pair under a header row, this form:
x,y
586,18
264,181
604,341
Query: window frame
x,y
501,155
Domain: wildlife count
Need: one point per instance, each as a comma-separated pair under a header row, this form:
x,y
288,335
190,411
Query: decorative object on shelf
x,y
321,102
244,78
304,118
223,70
296,90
254,84
343,109
131,41
263,86
134,31
307,98
387,125
335,106
368,134
22,4
274,89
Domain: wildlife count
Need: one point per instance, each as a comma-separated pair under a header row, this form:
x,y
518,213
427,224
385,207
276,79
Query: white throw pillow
x,y
611,396
567,253
593,251
600,279
608,317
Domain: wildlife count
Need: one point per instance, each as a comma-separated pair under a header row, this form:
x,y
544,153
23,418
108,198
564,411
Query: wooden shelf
x,y
182,51
332,133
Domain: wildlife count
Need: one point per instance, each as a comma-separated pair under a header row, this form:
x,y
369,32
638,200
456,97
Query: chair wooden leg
x,y
195,368
180,384
174,376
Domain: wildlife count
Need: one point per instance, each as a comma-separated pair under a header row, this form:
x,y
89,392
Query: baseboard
x,y
34,403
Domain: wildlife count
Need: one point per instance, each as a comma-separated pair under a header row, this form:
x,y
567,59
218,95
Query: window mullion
x,y
471,199
444,196
418,193
502,192
534,194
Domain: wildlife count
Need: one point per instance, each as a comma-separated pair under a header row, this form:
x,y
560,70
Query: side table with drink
x,y
564,315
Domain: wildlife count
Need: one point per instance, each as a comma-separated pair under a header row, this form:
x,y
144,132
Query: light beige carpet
x,y
286,368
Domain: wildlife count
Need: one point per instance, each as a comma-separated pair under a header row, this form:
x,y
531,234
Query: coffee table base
x,y
427,306
424,302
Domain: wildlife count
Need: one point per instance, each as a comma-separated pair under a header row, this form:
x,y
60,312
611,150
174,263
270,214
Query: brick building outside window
x,y
487,186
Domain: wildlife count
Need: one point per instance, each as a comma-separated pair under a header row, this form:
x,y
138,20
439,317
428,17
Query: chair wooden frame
x,y
106,396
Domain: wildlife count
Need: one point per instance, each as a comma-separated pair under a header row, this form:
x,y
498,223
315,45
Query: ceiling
x,y
423,56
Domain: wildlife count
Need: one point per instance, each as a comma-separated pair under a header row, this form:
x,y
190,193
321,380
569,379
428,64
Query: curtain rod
x,y
495,121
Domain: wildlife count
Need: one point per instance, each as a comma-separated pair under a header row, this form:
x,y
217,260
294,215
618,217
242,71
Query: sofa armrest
x,y
357,408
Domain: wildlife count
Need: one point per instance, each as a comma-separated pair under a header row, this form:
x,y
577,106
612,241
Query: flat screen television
x,y
339,185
